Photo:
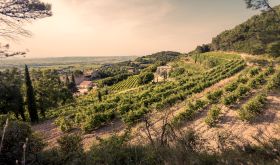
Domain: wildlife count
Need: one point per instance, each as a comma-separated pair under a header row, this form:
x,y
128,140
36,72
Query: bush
x,y
134,116
69,152
270,70
253,107
189,113
231,87
274,49
70,144
213,116
214,97
203,48
254,71
96,120
115,151
211,62
232,98
15,136
242,90
256,82
146,77
242,79
177,71
274,82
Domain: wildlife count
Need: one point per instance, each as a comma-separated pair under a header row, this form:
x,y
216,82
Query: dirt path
x,y
51,133
265,127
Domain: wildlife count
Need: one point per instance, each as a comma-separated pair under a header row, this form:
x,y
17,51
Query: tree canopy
x,y
258,35
258,4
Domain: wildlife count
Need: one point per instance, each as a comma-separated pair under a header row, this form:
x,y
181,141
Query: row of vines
x,y
246,87
90,113
129,83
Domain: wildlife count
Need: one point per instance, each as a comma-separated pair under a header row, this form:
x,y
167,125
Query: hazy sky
x,y
130,27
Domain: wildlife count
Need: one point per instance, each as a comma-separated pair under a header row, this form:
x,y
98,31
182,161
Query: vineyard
x,y
246,94
89,113
131,82
211,59
251,86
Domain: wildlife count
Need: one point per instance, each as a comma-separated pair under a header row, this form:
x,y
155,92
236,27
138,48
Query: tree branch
x,y
13,15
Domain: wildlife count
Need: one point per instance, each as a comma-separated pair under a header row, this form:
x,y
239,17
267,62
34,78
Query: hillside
x,y
194,88
210,107
259,35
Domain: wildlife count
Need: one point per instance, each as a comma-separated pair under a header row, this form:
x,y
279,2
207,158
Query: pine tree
x,y
30,97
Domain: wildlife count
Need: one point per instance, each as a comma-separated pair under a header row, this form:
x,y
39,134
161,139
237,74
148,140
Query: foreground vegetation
x,y
184,148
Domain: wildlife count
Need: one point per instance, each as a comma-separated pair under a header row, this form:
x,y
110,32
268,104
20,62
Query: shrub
x,y
213,116
177,71
230,99
211,62
134,116
116,151
71,149
274,49
253,107
65,124
256,82
215,96
270,70
242,90
254,71
189,113
15,136
242,79
96,120
70,144
274,82
146,77
231,87
261,79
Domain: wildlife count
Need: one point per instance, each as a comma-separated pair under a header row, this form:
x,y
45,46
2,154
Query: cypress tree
x,y
99,95
67,81
21,107
73,79
30,98
73,86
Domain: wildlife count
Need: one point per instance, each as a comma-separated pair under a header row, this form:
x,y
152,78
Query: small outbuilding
x,y
163,70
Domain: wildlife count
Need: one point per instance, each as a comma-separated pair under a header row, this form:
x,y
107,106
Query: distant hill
x,y
258,35
163,56
60,61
